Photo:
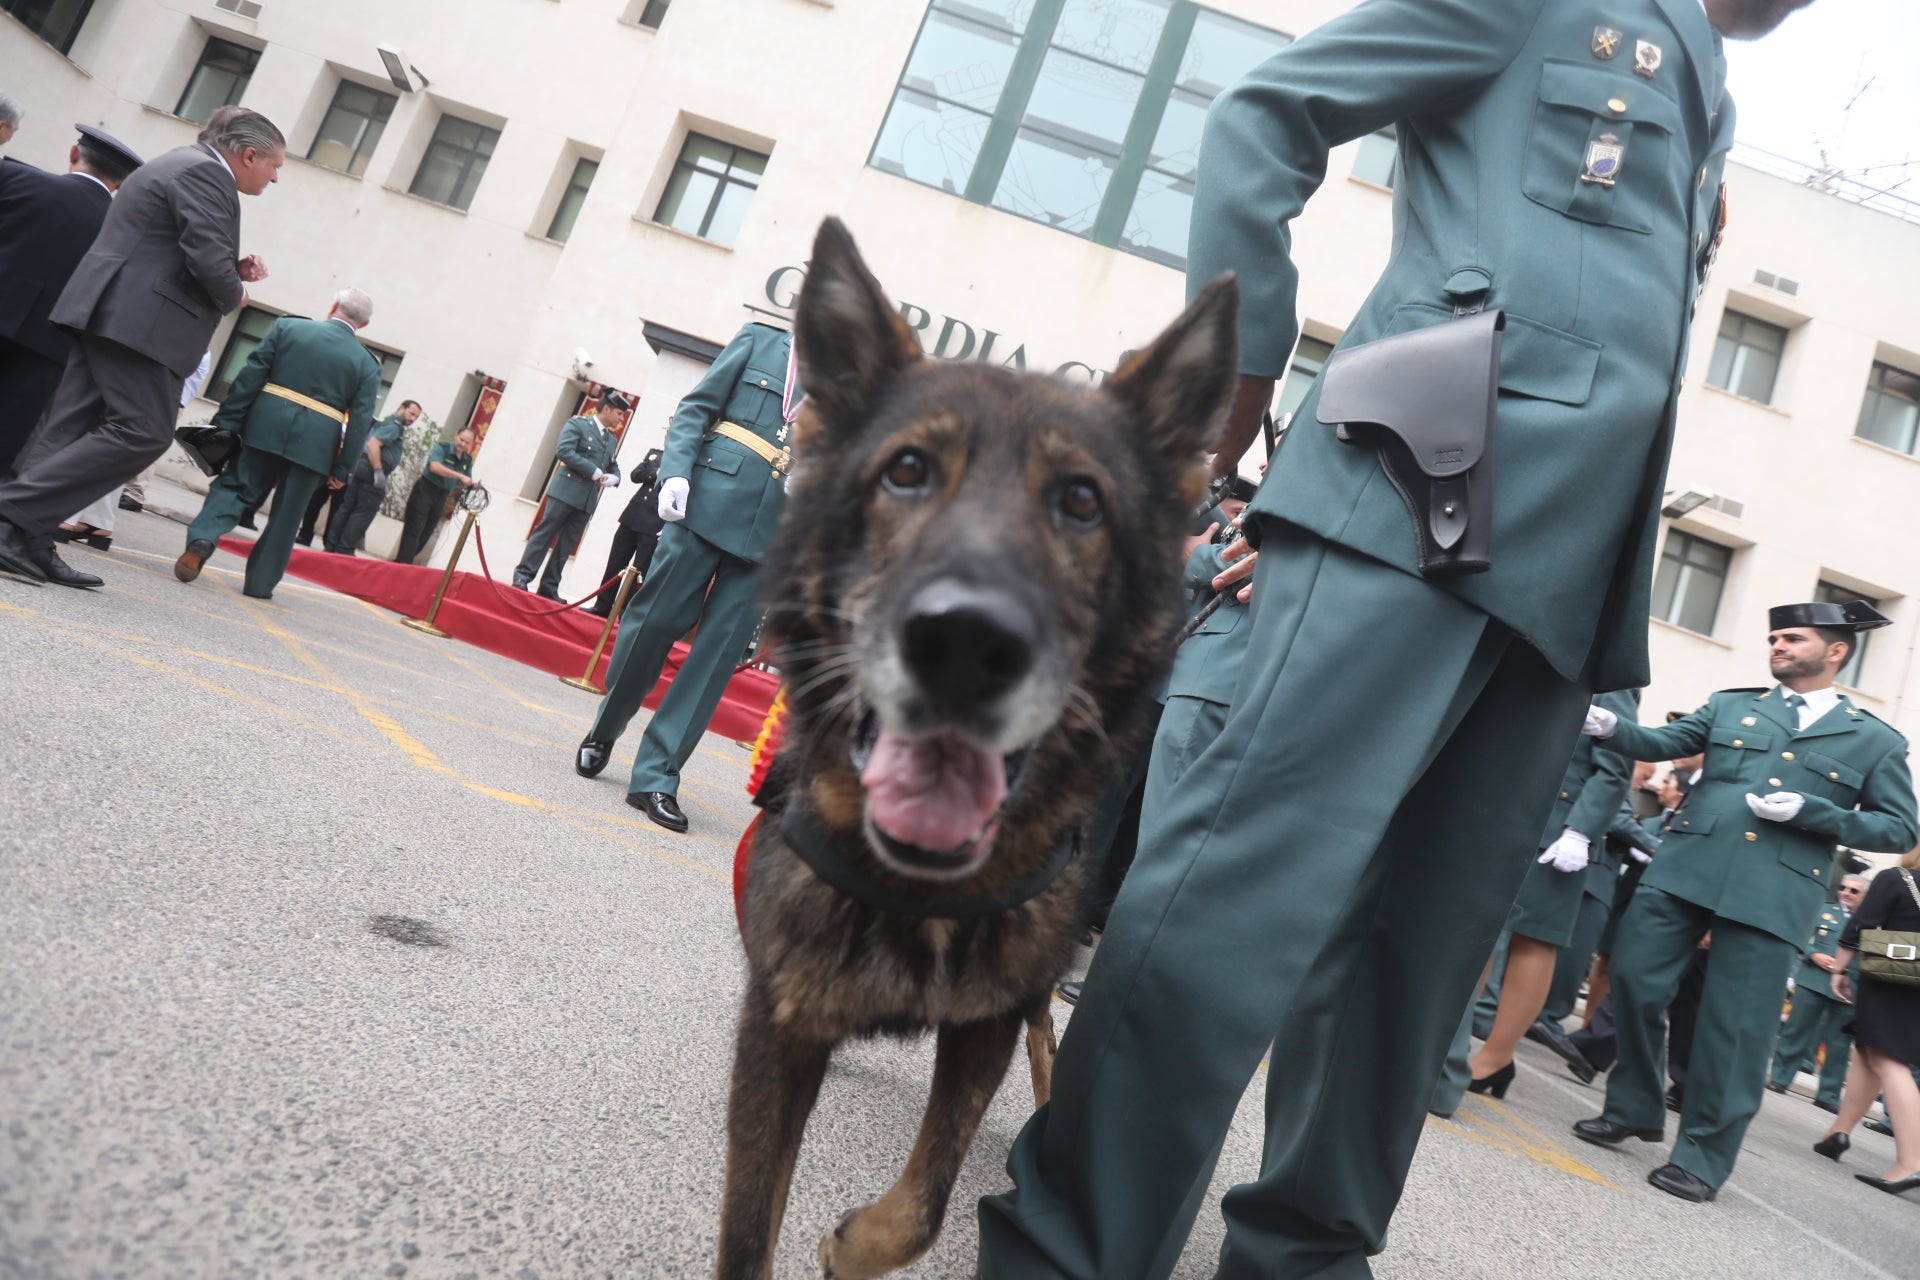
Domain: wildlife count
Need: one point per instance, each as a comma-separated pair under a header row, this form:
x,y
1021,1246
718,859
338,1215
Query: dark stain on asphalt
x,y
405,929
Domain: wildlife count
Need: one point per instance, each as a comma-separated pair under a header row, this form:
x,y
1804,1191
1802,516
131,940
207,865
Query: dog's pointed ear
x,y
1182,383
848,340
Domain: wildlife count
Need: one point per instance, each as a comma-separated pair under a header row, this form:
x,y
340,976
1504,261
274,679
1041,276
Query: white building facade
x,y
625,182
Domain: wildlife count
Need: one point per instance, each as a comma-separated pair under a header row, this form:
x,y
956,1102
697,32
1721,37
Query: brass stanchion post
x,y
585,679
426,624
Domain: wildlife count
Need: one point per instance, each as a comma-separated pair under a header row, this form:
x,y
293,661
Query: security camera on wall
x,y
405,76
582,364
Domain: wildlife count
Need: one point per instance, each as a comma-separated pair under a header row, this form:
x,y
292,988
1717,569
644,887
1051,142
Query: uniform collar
x,y
78,173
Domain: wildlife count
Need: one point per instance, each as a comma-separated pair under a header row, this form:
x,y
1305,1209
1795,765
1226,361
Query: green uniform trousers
x,y
1733,1035
673,598
1326,879
243,486
1813,1021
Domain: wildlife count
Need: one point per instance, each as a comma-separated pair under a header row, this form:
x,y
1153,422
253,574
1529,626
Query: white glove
x,y
1640,856
1600,723
1778,806
673,498
379,480
608,479
1568,853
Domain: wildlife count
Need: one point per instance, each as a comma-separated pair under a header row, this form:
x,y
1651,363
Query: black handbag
x,y
210,448
1425,400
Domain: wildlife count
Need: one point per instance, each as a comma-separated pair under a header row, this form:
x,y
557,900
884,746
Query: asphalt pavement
x,y
316,959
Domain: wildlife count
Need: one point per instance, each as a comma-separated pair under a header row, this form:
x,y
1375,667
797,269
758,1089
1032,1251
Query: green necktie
x,y
1795,701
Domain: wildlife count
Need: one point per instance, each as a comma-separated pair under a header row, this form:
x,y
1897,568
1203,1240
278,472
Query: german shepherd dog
x,y
974,590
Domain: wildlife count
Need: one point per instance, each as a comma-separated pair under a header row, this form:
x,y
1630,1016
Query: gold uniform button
x,y
1834,776
1616,105
1565,796
1738,743
1752,836
1749,722
1786,755
1775,782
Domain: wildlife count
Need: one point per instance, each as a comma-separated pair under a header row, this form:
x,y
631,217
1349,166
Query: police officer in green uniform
x,y
585,455
1818,1015
367,485
303,404
1348,844
1791,771
449,466
723,483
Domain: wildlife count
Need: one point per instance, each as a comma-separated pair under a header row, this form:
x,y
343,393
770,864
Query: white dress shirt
x,y
1819,702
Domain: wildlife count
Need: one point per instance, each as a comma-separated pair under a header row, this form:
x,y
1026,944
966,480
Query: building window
x,y
352,128
218,79
1309,357
571,199
1081,114
712,184
57,22
652,12
455,162
389,370
247,333
1379,158
1890,415
1746,357
1832,593
1687,586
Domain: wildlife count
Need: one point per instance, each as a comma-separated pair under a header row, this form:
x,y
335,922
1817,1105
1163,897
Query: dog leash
x,y
820,851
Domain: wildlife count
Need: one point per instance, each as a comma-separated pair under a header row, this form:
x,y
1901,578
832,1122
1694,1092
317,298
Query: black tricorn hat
x,y
1855,615
611,399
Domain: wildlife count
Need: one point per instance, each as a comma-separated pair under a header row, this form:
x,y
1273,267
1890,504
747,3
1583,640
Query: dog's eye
x,y
1080,501
909,470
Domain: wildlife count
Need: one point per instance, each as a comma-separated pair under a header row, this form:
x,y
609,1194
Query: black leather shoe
x,y
549,595
1674,1102
1896,1186
1603,1132
1879,1126
662,808
1833,1146
1547,1032
187,567
131,504
15,557
1675,1181
61,573
1068,991
1583,1070
592,757
1775,1088
1831,1108
246,522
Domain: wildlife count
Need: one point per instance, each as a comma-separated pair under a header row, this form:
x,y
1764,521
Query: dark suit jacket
x,y
47,223
164,268
643,509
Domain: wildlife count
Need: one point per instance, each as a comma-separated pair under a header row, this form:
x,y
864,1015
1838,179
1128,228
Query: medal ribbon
x,y
790,407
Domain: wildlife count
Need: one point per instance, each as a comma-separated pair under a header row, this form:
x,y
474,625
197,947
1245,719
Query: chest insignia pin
x,y
1603,159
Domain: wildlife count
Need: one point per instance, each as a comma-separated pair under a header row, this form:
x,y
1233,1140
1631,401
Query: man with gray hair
x,y
142,306
303,405
9,117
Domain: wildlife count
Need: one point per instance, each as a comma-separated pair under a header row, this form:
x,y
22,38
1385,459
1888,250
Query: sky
x,y
1793,87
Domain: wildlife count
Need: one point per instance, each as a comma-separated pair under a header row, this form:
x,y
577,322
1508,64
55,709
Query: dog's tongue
x,y
932,793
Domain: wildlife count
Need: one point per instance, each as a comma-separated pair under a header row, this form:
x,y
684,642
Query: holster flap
x,y
1434,388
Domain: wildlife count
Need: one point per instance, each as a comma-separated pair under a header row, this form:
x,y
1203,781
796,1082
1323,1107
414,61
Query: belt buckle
x,y
1902,951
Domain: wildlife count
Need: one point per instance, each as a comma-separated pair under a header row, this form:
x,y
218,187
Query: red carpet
x,y
474,611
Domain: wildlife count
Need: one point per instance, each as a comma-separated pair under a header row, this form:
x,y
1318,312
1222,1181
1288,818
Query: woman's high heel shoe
x,y
1896,1185
1833,1146
1495,1084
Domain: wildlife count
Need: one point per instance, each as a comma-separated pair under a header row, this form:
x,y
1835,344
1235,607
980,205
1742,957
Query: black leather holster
x,y
1425,401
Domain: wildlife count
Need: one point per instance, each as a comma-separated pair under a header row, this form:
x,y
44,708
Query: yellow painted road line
x,y
1499,1127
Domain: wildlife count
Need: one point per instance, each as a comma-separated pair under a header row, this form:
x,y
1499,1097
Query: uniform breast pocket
x,y
1599,146
757,397
1834,779
720,460
1730,751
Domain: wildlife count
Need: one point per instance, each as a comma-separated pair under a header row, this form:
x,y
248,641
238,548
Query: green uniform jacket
x,y
318,358
734,497
1499,104
1207,663
1773,875
585,447
1824,941
1594,785
391,436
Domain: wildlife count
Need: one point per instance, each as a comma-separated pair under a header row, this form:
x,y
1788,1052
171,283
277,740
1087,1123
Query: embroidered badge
x,y
1606,42
1646,58
1603,159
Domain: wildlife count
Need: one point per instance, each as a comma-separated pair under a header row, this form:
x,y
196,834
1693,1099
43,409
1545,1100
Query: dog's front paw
x,y
870,1242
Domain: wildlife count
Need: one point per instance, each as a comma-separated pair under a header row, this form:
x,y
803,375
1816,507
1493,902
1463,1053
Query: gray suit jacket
x,y
164,268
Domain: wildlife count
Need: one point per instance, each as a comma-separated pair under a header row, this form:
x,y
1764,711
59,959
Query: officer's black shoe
x,y
1068,991
1675,1181
131,504
662,808
1674,1100
1831,1108
548,595
246,521
1833,1146
1879,1126
58,571
592,757
1547,1032
1603,1132
1775,1088
15,557
1583,1070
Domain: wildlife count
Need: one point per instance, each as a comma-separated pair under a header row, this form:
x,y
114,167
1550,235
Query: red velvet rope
x,y
480,543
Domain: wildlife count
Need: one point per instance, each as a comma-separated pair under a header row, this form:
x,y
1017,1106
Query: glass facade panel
x,y
1688,583
455,162
653,13
1831,593
711,186
352,128
1746,357
57,22
248,330
218,79
1890,413
952,82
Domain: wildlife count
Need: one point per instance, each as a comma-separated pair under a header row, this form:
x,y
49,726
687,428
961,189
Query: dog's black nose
x,y
967,644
